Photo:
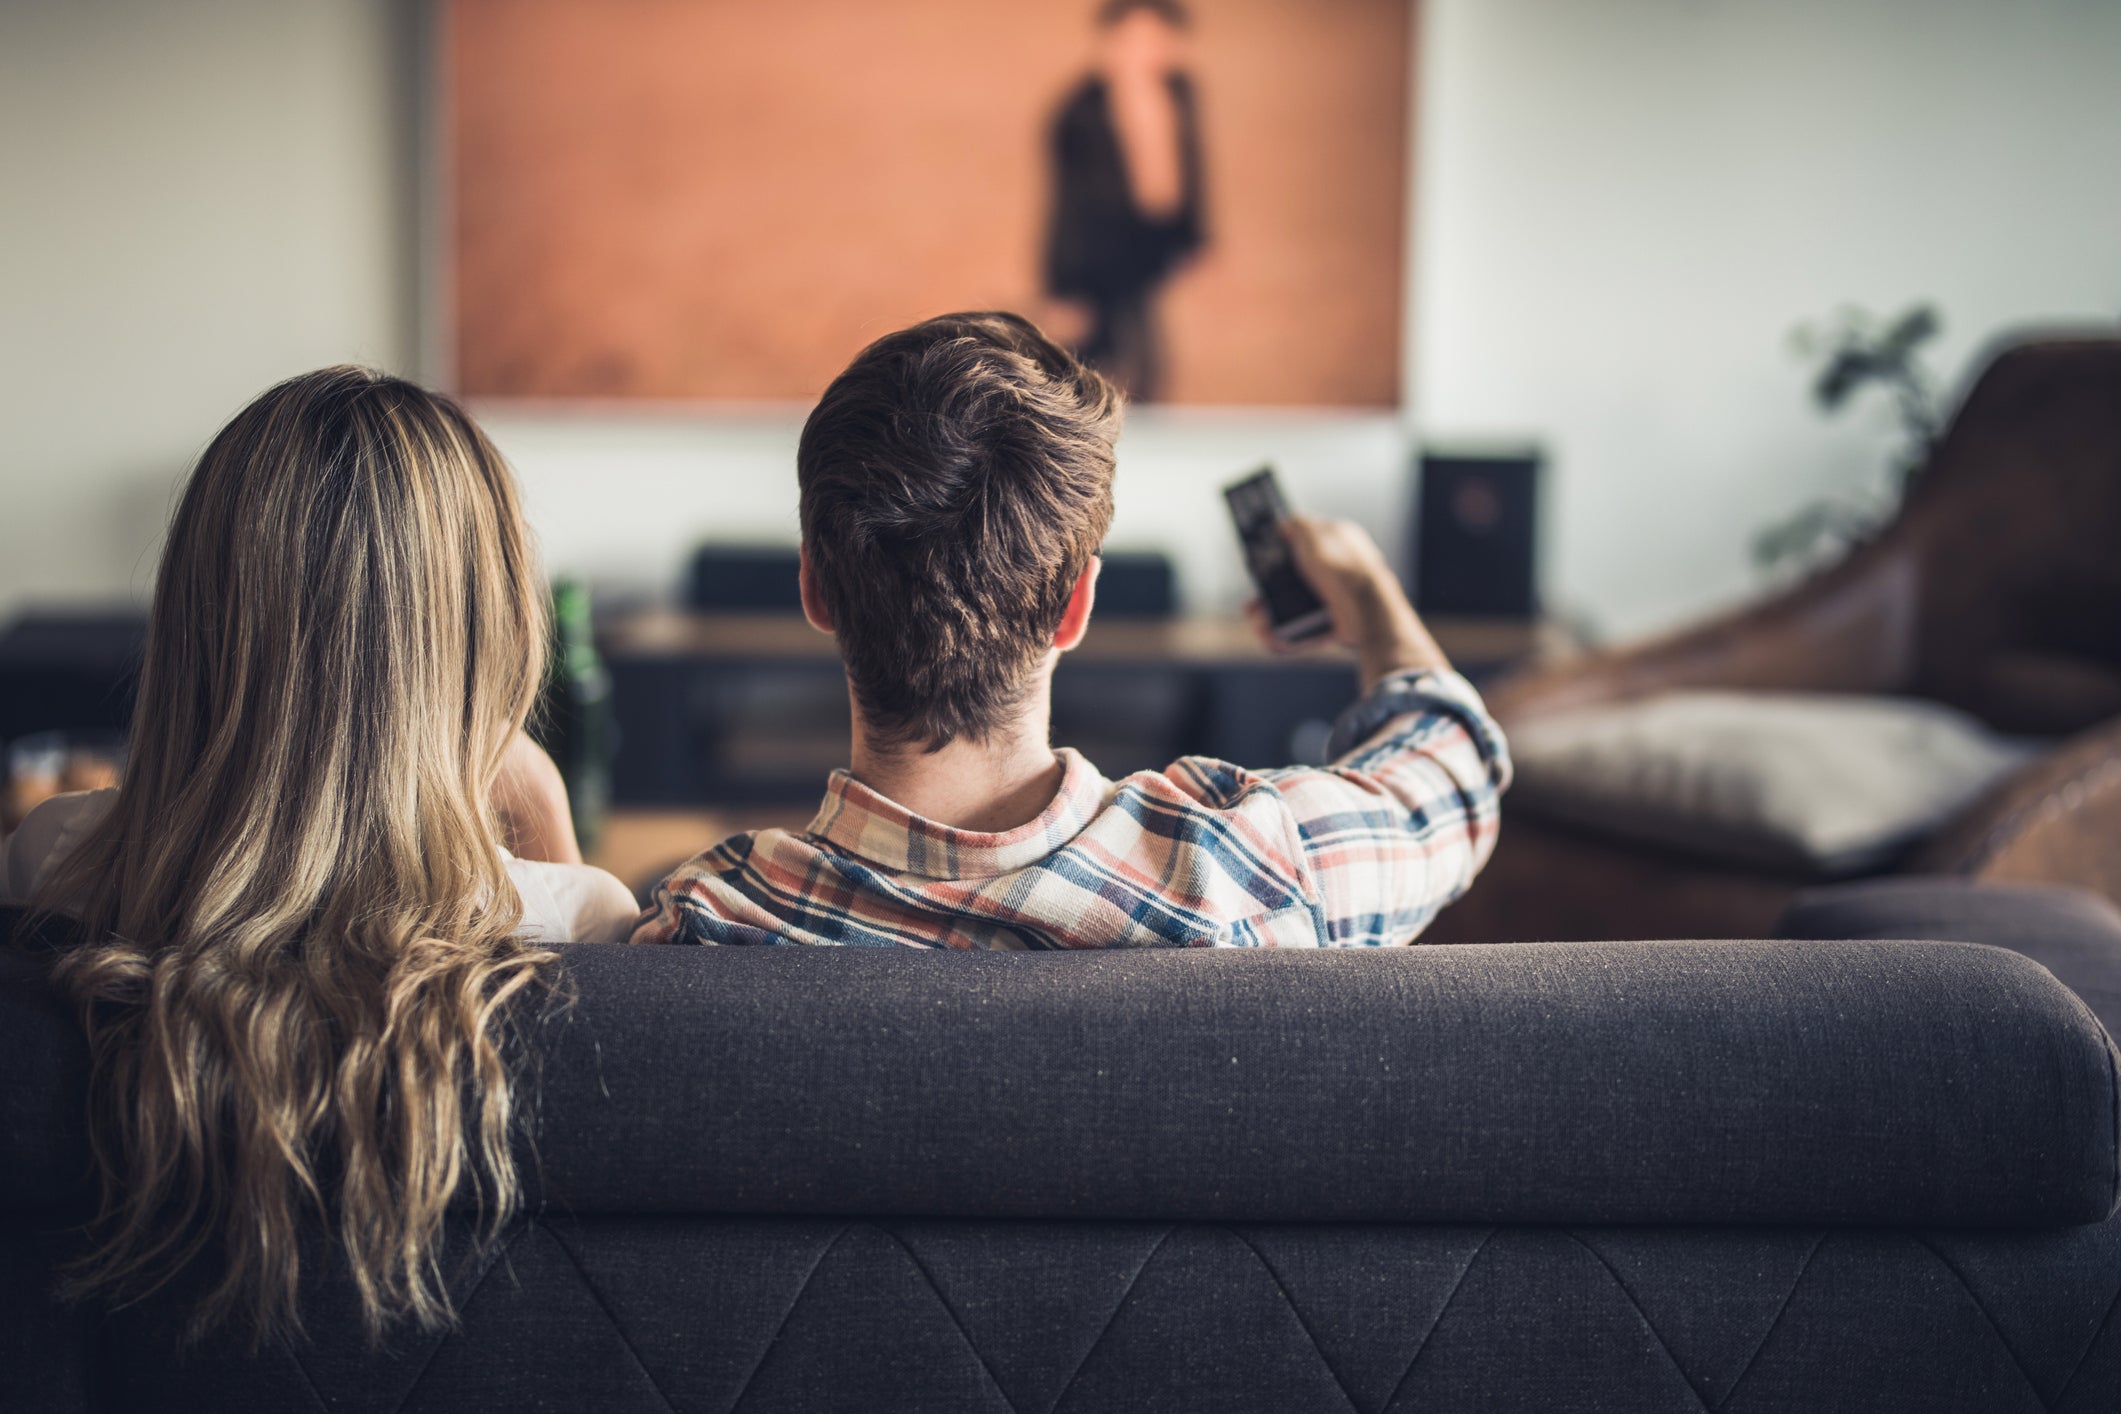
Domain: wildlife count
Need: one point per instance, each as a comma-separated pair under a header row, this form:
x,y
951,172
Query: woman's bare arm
x,y
1145,118
531,800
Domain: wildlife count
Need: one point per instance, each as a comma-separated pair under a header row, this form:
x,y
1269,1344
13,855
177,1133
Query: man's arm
x,y
1402,820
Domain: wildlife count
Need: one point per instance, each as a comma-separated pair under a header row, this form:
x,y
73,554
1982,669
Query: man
x,y
956,482
1126,203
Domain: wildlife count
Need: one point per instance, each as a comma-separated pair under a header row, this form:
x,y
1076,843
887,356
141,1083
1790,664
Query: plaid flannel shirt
x,y
1202,854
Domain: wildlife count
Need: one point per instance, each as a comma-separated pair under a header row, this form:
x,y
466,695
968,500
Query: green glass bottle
x,y
574,720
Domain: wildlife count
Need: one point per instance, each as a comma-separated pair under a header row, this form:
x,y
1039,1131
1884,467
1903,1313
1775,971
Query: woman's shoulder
x,y
45,836
572,903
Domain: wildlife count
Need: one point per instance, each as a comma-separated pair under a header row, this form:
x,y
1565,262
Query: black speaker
x,y
749,579
1136,585
1475,539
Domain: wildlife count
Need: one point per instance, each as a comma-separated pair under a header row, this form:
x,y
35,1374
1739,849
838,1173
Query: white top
x,y
562,903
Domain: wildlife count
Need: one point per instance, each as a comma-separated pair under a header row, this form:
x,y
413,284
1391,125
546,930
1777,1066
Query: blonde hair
x,y
298,935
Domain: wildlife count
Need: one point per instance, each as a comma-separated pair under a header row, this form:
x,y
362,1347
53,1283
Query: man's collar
x,y
884,833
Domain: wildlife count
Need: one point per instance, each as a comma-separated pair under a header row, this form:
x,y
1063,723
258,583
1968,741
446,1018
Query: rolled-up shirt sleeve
x,y
1401,821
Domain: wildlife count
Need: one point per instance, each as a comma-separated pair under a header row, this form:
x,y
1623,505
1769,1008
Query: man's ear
x,y
813,602
1075,619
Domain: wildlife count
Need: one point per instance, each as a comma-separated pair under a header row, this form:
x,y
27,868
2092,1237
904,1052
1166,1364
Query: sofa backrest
x,y
1897,1083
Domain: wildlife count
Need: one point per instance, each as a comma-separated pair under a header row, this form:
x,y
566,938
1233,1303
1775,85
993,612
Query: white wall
x,y
1627,205
204,197
623,500
196,199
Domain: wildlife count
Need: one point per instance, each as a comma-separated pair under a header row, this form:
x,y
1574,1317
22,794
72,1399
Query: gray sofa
x,y
1644,1177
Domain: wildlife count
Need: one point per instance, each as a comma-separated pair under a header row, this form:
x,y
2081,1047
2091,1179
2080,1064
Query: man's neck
x,y
985,787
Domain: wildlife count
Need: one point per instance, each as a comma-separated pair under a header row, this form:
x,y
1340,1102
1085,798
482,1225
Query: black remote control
x,y
1294,612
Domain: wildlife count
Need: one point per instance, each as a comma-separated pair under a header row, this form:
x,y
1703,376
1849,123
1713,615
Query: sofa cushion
x,y
1822,785
1771,1082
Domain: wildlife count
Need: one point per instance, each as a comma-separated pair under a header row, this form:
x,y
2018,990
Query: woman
x,y
1127,209
299,929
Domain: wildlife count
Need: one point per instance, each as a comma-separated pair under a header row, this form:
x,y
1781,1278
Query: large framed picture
x,y
722,200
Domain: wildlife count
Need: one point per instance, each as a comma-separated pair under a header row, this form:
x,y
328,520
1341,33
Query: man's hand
x,y
531,800
1370,612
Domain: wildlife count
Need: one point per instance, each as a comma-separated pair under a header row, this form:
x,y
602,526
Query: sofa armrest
x,y
2074,934
2057,821
1851,629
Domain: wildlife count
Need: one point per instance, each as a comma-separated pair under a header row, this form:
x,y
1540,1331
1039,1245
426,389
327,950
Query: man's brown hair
x,y
956,481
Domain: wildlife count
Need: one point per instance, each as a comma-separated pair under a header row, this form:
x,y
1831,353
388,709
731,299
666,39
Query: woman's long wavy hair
x,y
299,939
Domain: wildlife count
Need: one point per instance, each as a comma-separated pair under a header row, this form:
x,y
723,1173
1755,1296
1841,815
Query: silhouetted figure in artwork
x,y
1126,207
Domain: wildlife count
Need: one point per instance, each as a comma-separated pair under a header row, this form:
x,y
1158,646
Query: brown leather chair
x,y
1997,590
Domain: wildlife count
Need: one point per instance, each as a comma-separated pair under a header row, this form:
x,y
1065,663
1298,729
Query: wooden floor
x,y
640,846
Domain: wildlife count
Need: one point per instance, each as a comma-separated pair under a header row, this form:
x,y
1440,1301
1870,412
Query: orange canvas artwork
x,y
723,200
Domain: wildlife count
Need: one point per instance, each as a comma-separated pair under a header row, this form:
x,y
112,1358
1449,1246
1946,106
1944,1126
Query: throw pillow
x,y
1825,786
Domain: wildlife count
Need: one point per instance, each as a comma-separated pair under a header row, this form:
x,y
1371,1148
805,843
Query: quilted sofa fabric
x,y
779,1314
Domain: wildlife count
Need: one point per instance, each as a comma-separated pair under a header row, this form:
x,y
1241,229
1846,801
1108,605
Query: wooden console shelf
x,y
1180,643
750,709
